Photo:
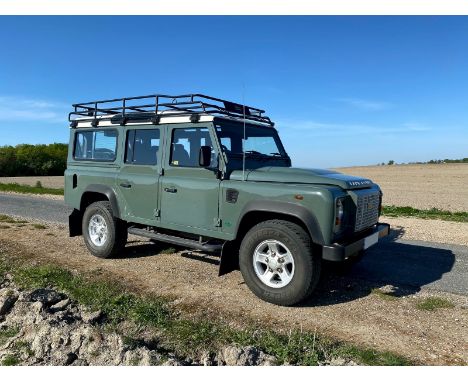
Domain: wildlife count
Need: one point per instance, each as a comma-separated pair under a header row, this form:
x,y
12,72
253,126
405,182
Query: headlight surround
x,y
380,202
339,213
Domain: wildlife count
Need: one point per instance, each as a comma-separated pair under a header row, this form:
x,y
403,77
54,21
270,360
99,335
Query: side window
x,y
142,146
185,146
226,142
97,145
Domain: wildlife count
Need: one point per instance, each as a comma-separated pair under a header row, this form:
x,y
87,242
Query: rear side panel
x,y
80,174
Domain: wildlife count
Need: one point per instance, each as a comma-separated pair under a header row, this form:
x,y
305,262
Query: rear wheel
x,y
277,262
104,234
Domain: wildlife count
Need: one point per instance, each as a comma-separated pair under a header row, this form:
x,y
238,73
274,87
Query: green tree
x,y
38,160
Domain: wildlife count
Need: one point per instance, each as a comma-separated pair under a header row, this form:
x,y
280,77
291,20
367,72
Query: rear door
x,y
138,179
189,193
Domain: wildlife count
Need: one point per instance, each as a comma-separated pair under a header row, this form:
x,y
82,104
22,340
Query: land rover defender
x,y
213,175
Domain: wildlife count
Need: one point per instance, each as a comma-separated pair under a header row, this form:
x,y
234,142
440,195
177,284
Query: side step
x,y
176,240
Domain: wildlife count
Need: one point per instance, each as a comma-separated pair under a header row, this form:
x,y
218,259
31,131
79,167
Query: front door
x,y
138,179
189,193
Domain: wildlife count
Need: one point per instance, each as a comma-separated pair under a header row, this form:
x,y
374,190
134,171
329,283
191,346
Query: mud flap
x,y
74,223
229,258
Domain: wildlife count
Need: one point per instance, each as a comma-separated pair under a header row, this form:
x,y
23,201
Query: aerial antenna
x,y
243,142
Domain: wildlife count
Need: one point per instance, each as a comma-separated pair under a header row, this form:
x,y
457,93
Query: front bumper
x,y
340,252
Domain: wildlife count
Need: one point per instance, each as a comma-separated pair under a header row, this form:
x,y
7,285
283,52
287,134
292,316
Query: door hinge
x,y
157,213
161,172
218,222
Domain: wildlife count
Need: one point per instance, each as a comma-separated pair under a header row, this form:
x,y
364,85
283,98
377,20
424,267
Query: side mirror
x,y
204,156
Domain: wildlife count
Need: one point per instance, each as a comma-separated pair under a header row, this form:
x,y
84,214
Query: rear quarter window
x,y
95,145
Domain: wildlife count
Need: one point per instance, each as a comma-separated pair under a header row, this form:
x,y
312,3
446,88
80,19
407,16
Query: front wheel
x,y
104,235
277,262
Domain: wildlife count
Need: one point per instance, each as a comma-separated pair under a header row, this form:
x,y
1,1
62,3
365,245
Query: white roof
x,y
167,117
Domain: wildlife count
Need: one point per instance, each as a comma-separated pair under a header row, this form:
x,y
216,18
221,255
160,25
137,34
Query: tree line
x,y
33,160
432,161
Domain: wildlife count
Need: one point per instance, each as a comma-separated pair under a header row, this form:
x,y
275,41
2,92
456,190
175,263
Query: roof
x,y
159,108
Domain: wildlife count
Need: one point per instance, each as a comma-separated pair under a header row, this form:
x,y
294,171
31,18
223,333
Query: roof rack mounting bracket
x,y
124,121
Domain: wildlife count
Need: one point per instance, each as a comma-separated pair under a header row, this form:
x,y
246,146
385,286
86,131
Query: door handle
x,y
171,190
125,185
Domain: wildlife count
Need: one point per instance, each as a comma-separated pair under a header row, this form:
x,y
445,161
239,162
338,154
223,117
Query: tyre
x,y
104,235
277,262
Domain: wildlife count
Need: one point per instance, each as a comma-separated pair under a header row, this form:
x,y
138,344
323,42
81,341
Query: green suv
x,y
212,175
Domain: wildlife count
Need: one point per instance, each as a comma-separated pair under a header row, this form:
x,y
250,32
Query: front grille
x,y
367,212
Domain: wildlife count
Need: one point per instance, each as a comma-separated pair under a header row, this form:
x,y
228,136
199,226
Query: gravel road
x,y
408,263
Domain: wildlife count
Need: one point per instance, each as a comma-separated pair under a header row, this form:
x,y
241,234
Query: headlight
x,y
339,214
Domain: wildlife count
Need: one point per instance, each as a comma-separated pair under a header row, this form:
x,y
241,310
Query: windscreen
x,y
259,141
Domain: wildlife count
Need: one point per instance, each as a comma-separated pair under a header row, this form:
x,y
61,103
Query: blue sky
x,y
342,90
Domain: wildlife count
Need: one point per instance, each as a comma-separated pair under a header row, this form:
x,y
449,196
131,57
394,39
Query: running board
x,y
176,240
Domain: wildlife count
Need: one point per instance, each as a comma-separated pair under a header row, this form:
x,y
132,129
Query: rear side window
x,y
142,146
97,145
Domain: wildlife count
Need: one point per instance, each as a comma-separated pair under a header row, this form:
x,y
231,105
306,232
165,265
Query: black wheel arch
x,y
278,209
91,194
257,211
96,192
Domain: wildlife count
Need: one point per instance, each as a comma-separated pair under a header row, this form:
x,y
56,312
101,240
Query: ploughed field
x,y
426,186
442,186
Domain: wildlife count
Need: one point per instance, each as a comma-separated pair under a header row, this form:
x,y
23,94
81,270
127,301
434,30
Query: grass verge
x,y
434,213
10,360
384,295
10,220
39,226
7,333
189,337
24,189
433,303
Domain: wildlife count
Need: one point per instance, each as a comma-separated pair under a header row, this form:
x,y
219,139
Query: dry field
x,y
443,186
46,181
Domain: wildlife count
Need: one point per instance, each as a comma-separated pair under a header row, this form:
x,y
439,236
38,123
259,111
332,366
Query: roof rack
x,y
151,108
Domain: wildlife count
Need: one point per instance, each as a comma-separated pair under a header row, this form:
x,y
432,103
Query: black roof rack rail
x,y
151,108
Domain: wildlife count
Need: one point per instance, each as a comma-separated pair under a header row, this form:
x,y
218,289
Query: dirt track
x,y
343,307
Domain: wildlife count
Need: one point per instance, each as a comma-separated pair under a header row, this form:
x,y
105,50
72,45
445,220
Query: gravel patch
x,y
434,231
38,196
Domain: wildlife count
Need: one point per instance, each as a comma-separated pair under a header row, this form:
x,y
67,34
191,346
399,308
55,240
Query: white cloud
x,y
369,105
18,109
315,128
415,127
